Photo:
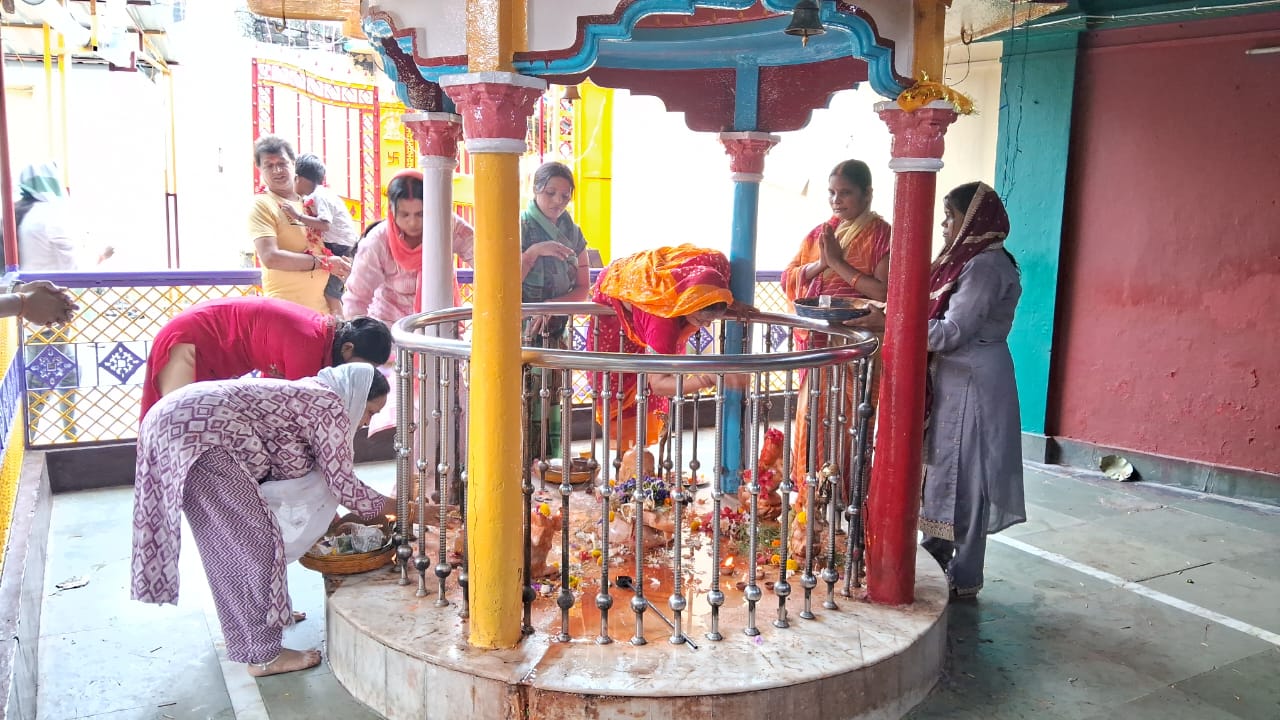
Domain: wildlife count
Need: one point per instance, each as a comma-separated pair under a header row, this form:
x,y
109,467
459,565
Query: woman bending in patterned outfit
x,y
205,450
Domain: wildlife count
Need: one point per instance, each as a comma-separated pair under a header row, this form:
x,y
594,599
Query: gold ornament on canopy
x,y
345,11
333,10
926,91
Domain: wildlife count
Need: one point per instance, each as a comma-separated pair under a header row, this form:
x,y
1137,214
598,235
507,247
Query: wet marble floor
x,y
1112,601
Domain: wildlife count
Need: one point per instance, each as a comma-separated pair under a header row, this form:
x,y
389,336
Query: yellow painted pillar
x,y
64,66
48,90
495,105
929,38
491,34
593,204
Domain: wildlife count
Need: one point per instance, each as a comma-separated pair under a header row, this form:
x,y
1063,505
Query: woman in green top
x,y
553,264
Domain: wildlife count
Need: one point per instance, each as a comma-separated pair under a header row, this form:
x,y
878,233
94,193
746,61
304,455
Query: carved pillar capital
x,y
746,151
918,137
437,134
495,108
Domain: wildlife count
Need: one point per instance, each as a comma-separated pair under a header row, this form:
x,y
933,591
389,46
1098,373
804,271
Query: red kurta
x,y
235,336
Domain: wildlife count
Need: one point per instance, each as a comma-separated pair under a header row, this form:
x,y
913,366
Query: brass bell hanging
x,y
805,21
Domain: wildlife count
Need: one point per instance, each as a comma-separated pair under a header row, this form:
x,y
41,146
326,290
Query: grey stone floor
x,y
1045,639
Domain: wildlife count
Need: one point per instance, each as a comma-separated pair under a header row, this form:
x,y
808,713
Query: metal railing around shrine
x,y
769,298
711,552
82,382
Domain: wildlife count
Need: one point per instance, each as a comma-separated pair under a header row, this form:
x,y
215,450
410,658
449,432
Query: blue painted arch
x,y
618,44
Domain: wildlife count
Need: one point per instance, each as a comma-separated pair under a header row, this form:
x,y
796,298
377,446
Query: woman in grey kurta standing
x,y
973,445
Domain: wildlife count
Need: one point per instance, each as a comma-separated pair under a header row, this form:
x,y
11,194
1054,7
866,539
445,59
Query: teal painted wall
x,y
1037,84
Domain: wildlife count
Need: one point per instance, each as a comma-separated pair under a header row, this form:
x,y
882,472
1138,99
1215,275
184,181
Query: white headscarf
x,y
304,506
351,381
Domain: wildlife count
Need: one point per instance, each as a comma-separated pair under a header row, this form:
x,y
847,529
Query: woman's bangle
x,y
22,305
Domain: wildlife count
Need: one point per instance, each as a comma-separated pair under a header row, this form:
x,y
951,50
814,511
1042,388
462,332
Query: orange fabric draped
x,y
668,282
651,292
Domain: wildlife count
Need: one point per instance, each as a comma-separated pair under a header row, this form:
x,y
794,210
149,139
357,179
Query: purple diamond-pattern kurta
x,y
268,428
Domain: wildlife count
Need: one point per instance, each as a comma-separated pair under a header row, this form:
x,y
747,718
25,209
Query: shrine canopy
x,y
727,65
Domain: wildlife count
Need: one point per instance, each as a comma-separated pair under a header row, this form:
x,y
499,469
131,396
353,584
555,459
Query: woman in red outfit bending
x,y
231,337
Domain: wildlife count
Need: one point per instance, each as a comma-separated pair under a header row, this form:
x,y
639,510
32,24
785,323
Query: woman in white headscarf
x,y
210,450
304,506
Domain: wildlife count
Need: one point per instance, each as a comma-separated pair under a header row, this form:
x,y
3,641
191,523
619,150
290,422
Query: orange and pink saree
x,y
865,243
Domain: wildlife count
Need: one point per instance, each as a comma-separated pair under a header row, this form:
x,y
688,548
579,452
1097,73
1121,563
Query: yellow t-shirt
x,y
306,287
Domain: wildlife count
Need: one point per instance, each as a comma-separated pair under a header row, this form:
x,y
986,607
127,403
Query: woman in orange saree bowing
x,y
845,257
660,299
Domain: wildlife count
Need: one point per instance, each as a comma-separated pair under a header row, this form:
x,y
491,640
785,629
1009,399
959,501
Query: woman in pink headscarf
x,y
384,276
385,281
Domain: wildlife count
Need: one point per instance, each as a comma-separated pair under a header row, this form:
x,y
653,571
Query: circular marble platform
x,y
406,658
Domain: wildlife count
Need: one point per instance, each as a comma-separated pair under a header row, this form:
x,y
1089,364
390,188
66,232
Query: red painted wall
x,y
1169,305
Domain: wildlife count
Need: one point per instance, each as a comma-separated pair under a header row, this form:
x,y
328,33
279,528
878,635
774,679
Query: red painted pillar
x,y
894,501
6,183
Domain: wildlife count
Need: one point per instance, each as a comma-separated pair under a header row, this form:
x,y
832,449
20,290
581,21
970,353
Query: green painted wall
x,y
1037,84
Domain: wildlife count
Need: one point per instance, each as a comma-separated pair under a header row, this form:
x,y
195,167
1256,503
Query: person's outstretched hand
x,y
339,267
872,321
740,311
44,303
291,212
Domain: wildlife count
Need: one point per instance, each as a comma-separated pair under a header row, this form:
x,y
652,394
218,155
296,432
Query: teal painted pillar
x,y
746,151
1037,86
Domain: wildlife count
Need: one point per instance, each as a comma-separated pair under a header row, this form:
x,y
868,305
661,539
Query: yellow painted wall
x,y
593,201
14,447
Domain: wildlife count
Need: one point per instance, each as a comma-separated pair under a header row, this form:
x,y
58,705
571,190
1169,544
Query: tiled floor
x,y
1044,640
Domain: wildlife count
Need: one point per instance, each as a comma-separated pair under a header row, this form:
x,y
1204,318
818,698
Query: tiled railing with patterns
x,y
81,383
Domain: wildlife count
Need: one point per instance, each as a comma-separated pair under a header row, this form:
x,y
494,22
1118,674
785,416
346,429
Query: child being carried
x,y
329,223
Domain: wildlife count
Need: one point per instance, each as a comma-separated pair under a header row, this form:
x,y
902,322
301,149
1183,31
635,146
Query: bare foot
x,y
299,616
286,661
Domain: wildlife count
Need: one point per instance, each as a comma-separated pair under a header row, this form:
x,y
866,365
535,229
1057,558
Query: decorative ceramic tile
x,y
121,362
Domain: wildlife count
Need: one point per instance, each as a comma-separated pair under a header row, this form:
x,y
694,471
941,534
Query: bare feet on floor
x,y
286,661
299,616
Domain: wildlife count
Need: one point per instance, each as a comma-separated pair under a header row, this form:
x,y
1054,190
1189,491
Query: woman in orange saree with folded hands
x,y
845,257
660,299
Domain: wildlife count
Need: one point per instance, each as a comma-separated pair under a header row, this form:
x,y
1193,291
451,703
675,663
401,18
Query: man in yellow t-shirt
x,y
289,271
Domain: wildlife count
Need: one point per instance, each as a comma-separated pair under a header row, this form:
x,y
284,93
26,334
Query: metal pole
x,y
6,178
